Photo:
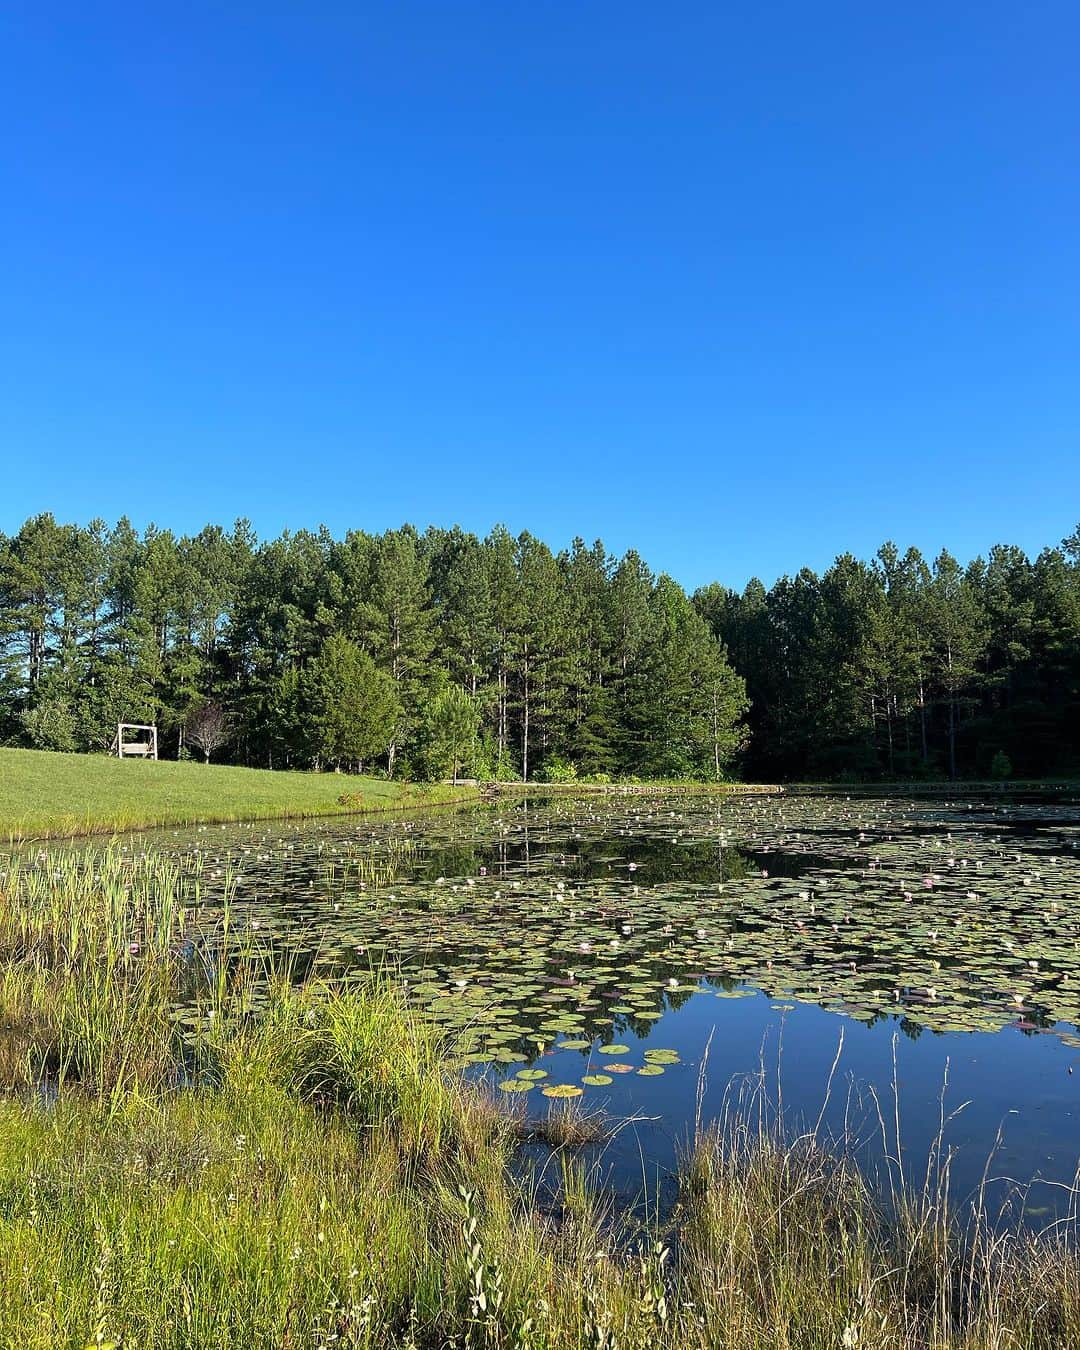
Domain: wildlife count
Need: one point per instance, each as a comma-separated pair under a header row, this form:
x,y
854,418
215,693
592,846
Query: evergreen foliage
x,y
437,653
900,668
325,652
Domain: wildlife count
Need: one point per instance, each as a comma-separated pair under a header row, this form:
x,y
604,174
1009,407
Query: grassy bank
x,y
50,795
282,1166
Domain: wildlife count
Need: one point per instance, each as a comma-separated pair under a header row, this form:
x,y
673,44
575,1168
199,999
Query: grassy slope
x,y
48,794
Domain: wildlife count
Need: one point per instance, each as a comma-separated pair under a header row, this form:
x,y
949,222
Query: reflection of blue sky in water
x,y
953,921
1011,1080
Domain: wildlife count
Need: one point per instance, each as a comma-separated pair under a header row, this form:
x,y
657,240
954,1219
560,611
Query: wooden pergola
x,y
135,749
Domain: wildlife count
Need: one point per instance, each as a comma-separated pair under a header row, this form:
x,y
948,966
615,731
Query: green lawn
x,y
44,794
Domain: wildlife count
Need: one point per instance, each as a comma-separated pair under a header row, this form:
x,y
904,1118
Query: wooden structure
x,y
134,749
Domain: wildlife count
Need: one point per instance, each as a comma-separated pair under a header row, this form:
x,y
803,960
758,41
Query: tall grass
x,y
91,952
226,1159
785,1243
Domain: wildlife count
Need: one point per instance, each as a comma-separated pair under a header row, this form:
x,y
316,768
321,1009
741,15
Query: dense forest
x,y
421,655
437,653
900,668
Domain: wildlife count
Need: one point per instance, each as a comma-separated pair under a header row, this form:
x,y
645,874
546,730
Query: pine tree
x,y
352,704
399,628
453,722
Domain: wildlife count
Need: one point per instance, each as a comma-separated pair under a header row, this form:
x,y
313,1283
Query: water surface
x,y
579,939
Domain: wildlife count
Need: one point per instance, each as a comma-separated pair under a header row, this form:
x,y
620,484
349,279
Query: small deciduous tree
x,y
208,727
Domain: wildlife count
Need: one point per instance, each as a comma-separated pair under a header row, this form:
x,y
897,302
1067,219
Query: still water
x,y
657,955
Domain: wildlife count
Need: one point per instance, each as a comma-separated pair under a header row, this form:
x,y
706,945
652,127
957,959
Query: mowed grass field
x,y
50,795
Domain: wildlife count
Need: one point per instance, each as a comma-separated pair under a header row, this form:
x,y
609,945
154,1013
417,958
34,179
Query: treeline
x,y
418,654
436,653
900,668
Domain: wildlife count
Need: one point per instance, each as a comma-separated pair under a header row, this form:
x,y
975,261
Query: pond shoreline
x,y
46,795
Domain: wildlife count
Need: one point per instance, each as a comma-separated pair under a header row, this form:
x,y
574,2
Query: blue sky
x,y
739,286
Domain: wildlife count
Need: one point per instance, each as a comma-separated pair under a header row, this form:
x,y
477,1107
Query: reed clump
x,y
92,957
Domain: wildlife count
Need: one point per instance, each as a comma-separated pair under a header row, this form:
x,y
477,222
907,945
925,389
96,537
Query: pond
x,y
655,955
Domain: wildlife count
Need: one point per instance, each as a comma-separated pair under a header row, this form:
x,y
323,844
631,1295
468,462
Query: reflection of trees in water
x,y
653,861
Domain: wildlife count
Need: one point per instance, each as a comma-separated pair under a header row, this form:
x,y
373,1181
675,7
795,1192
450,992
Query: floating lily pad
x,y
662,1057
562,1090
597,1079
613,1050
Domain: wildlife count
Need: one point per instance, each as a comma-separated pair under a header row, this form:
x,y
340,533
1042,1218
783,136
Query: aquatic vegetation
x,y
529,932
96,952
522,930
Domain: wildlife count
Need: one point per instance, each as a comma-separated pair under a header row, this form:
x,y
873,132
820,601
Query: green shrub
x,y
1001,766
555,769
